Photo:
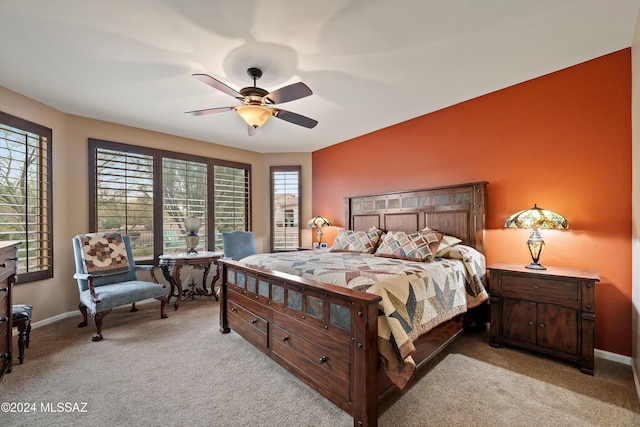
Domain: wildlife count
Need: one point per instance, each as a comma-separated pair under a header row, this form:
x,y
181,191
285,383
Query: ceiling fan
x,y
256,102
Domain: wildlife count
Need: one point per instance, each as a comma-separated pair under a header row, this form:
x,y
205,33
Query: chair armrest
x,y
89,279
81,276
150,269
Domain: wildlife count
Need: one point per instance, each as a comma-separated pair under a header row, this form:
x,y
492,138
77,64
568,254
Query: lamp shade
x,y
318,222
192,224
536,217
254,115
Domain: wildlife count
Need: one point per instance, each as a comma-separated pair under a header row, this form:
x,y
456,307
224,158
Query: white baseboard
x,y
614,357
55,318
65,315
636,380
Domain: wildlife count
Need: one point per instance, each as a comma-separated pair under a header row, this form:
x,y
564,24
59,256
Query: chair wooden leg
x,y
83,310
28,335
163,303
98,319
22,331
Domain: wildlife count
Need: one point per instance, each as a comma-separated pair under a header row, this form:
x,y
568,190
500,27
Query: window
x,y
122,189
136,191
26,195
285,208
184,193
232,203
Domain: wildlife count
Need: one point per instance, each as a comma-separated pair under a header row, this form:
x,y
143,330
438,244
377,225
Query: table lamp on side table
x,y
192,225
318,222
535,219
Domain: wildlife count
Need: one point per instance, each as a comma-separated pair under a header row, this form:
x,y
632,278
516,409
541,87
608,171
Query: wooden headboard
x,y
457,210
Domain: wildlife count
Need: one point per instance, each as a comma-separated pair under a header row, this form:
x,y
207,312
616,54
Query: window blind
x,y
184,193
124,197
232,197
26,195
285,208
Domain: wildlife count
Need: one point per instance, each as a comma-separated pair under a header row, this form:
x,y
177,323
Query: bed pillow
x,y
419,246
446,242
357,241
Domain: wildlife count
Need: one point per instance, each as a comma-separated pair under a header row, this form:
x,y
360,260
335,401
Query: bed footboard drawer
x,y
249,325
323,361
314,372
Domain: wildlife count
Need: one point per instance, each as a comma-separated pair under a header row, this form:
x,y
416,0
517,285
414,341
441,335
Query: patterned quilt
x,y
416,296
103,253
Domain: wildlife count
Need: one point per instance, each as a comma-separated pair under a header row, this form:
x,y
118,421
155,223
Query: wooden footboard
x,y
325,335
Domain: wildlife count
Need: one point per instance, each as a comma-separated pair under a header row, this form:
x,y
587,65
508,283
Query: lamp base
x,y
536,266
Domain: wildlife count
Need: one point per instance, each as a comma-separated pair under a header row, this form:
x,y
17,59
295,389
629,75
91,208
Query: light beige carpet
x,y
182,371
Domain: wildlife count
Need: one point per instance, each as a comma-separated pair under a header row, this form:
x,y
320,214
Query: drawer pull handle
x,y
4,319
254,321
234,310
531,323
323,359
4,289
536,287
13,259
542,325
3,265
285,338
588,306
4,356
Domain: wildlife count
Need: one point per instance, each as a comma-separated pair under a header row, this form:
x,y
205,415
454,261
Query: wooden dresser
x,y
8,259
550,311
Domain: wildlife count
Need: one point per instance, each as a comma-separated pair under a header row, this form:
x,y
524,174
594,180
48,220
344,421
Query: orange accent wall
x,y
562,141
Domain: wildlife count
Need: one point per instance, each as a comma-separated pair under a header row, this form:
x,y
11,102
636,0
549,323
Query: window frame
x,y
158,208
272,214
46,219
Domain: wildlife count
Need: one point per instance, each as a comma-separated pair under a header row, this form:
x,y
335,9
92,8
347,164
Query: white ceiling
x,y
370,63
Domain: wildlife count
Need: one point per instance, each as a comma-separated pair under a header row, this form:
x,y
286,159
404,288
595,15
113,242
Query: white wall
x,y
635,200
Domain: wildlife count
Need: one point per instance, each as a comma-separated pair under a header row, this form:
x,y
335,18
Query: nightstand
x,y
550,311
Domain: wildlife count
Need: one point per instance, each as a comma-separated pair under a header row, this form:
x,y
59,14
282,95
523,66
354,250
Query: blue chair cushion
x,y
119,294
21,311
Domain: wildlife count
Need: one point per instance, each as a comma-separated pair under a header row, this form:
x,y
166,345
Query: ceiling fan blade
x,y
254,131
294,118
288,93
210,111
217,84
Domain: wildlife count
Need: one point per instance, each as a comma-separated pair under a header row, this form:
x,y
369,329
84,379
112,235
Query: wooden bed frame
x,y
327,335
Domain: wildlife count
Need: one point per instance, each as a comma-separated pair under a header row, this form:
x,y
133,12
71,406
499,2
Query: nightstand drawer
x,y
535,288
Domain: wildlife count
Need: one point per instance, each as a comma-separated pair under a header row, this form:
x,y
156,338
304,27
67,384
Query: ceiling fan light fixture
x,y
254,115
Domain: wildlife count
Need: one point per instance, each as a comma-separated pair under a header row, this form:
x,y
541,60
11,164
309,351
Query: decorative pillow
x,y
418,246
357,241
103,253
447,241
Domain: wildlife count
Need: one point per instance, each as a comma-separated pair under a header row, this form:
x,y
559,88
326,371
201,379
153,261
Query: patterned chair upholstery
x,y
238,244
106,276
21,317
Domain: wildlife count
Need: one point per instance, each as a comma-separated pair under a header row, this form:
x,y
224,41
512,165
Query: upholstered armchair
x,y
238,244
106,276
